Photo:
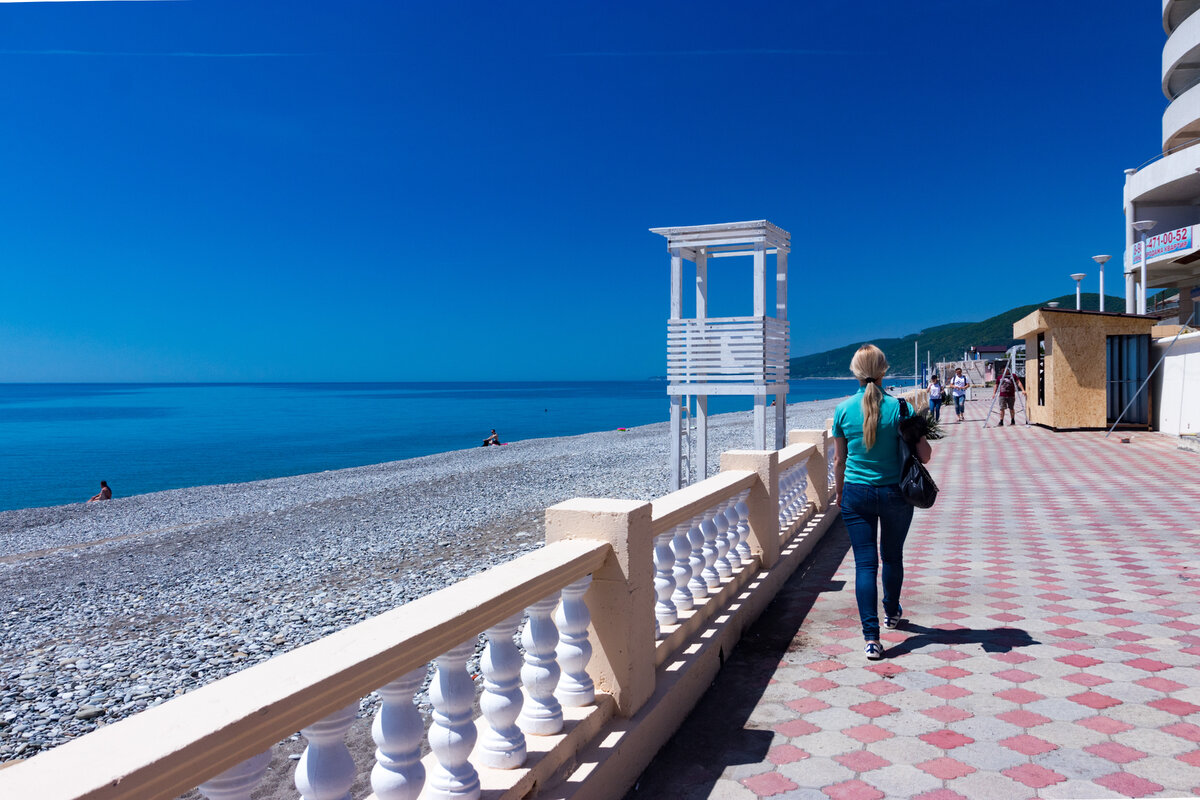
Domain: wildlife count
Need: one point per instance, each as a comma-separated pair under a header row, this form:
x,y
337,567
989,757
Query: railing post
x,y
621,597
763,501
236,783
397,730
818,485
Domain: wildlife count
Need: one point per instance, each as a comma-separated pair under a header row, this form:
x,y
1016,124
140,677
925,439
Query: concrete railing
x,y
653,596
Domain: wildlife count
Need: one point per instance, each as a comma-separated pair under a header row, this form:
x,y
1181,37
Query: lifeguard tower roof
x,y
726,239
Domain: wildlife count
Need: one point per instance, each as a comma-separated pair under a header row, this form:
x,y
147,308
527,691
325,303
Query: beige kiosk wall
x,y
1076,367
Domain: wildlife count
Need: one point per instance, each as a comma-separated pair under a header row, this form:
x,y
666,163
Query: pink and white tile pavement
x,y
1050,648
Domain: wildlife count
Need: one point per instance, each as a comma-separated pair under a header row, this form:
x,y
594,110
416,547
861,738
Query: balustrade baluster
x,y
542,713
502,744
664,583
237,782
731,534
784,493
326,769
831,461
696,584
721,540
682,548
575,689
743,528
712,578
398,773
452,734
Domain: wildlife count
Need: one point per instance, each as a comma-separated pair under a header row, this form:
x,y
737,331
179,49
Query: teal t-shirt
x,y
879,466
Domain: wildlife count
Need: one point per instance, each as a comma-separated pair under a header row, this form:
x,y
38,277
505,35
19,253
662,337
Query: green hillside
x,y
943,342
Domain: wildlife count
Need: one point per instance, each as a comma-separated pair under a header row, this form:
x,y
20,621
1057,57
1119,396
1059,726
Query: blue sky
x,y
211,191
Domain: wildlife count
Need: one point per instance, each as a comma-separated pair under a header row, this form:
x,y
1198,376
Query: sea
x,y
59,440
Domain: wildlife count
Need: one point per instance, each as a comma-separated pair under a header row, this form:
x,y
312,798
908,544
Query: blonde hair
x,y
869,364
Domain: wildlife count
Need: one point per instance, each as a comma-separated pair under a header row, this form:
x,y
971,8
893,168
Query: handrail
x,y
171,748
795,453
681,505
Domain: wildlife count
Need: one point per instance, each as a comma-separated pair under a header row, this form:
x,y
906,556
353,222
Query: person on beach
x,y
493,439
867,470
1007,388
958,388
936,392
105,493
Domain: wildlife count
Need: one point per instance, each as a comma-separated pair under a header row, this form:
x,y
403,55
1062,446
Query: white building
x,y
1167,190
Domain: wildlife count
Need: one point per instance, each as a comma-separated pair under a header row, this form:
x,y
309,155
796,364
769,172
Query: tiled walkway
x,y
1051,643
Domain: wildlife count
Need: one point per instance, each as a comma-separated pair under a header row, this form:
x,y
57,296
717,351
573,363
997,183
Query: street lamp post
x,y
1141,226
1077,277
1102,260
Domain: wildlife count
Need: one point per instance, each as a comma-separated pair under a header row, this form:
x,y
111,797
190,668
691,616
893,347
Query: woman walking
x,y
866,434
935,397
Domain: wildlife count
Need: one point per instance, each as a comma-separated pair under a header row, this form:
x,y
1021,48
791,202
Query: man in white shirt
x,y
958,387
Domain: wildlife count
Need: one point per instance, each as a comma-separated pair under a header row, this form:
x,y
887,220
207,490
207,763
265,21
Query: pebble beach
x,y
109,608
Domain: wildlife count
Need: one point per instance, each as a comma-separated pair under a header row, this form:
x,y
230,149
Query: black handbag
x,y
916,484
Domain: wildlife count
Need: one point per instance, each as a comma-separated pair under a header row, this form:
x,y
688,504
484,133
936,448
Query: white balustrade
x,y
696,584
721,540
502,744
831,461
793,497
682,596
731,533
326,769
542,713
743,527
398,773
236,783
664,583
575,689
712,578
452,734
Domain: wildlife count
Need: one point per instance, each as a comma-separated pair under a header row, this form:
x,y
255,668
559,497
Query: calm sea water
x,y
57,441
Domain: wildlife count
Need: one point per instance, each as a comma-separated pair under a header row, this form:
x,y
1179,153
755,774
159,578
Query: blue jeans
x,y
867,510
935,405
960,404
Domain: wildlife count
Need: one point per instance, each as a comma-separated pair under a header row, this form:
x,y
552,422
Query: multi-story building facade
x,y
1166,191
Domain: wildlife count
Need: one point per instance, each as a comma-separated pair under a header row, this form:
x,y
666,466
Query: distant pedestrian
x,y
936,392
866,436
958,388
1007,388
105,493
493,439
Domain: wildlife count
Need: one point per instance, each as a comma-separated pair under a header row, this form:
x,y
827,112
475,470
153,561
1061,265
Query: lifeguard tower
x,y
726,355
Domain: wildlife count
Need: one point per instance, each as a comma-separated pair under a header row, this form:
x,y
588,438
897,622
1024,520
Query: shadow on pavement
x,y
717,736
993,640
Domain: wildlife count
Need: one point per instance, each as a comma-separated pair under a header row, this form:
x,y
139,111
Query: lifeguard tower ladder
x,y
726,355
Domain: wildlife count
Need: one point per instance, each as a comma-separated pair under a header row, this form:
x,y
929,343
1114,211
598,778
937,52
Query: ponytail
x,y
872,395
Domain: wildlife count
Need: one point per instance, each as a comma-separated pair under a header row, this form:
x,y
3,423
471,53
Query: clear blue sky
x,y
386,190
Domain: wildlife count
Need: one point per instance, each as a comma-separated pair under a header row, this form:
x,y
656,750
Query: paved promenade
x,y
1050,644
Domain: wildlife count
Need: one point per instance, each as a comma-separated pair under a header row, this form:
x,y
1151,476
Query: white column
x,y
721,539
326,769
542,713
502,744
743,528
712,578
760,280
731,533
237,782
1130,293
701,437
664,583
398,773
760,423
575,688
452,734
697,585
682,572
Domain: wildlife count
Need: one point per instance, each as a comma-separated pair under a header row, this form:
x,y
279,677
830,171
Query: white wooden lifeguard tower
x,y
726,355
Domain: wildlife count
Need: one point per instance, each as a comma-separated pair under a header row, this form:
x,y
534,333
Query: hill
x,y
943,342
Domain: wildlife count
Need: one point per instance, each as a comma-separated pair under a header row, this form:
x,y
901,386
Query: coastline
x,y
120,605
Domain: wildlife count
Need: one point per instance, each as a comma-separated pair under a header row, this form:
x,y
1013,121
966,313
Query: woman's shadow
x,y
992,640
